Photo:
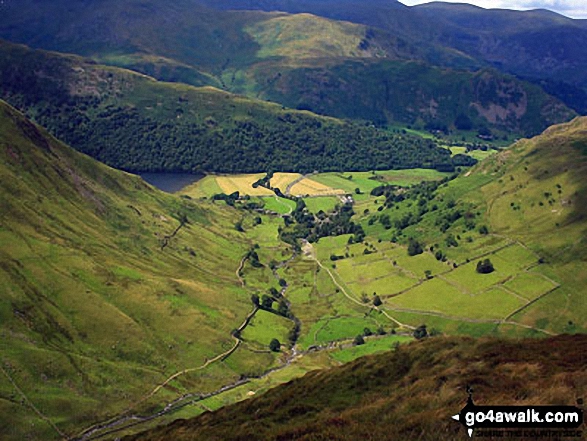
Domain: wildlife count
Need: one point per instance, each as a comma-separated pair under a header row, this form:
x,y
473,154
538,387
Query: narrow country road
x,y
294,182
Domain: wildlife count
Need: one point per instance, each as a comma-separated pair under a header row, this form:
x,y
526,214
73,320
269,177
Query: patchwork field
x,y
323,189
205,187
367,181
423,286
312,187
243,184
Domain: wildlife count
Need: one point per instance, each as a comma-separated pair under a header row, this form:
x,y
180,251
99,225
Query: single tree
x,y
359,340
274,345
420,332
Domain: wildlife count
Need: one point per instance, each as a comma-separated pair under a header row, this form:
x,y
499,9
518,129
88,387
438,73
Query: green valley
x,y
386,216
178,301
410,393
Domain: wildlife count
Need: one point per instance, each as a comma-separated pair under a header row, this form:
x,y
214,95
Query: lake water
x,y
170,182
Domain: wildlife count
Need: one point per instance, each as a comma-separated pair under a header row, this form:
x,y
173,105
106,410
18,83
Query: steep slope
x,y
108,28
415,94
146,35
528,203
108,287
537,195
538,43
410,393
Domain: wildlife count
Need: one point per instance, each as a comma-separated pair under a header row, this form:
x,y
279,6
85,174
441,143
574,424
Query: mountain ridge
x,y
247,51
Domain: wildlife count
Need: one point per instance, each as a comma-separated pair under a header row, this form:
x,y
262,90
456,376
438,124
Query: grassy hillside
x,y
122,301
134,122
112,29
105,292
522,208
526,43
409,393
522,42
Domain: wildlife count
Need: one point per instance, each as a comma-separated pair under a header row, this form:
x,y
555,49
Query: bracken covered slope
x,y
408,394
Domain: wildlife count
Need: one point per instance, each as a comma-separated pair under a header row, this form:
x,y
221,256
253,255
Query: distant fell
x,y
251,51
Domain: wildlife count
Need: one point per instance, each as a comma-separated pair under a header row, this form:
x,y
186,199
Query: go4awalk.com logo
x,y
528,421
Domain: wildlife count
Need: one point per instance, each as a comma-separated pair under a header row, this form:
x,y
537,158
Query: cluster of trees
x,y
420,193
485,266
304,225
360,339
423,202
176,135
230,199
253,258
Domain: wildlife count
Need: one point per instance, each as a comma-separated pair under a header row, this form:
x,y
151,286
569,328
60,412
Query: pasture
x,y
324,203
264,327
424,286
279,205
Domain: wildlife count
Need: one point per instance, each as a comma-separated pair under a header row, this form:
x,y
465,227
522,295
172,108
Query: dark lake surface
x,y
170,182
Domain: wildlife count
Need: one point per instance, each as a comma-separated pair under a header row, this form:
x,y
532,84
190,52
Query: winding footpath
x,y
121,421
